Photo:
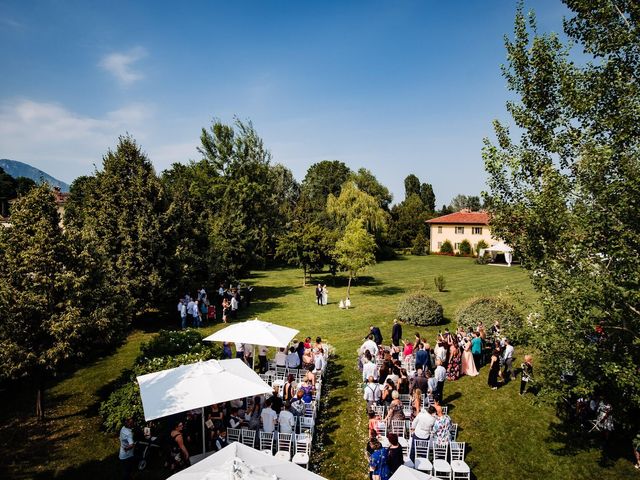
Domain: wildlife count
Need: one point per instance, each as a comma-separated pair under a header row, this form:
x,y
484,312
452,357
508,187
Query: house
x,y
459,226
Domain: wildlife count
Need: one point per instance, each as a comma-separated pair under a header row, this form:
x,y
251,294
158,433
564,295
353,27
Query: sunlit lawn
x,y
507,436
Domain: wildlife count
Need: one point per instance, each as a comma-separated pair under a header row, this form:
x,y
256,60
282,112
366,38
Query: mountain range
x,y
20,169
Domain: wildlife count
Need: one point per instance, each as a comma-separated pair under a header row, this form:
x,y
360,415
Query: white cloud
x,y
121,65
63,143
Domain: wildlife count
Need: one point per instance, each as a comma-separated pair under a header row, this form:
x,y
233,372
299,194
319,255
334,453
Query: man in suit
x,y
319,294
396,333
377,334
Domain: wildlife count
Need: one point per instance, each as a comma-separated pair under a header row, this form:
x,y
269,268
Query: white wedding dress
x,y
325,296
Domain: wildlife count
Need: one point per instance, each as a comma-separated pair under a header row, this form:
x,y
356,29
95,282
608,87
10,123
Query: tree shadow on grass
x,y
384,291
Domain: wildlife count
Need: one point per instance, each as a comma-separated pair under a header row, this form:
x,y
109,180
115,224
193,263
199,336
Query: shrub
x,y
446,248
419,309
170,342
465,247
489,309
481,244
440,282
483,259
420,245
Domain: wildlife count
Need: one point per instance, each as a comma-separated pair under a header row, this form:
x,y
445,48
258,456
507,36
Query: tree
x,y
408,221
7,191
461,202
411,186
565,196
55,303
420,244
355,250
368,183
322,179
428,197
354,204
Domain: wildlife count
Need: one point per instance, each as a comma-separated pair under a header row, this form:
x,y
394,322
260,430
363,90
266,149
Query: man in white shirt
x,y
318,360
293,360
507,357
248,354
421,427
240,350
441,375
268,417
286,420
262,358
371,346
281,358
372,393
369,370
126,448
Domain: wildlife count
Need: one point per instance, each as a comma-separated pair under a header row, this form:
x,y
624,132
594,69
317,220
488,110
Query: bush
x,y
440,282
170,342
420,246
465,248
446,248
489,309
419,309
484,259
481,244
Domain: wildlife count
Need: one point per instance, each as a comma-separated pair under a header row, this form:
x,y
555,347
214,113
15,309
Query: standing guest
x,y
375,458
421,427
262,358
190,305
636,450
127,459
370,345
183,314
253,414
368,367
416,402
234,419
374,418
226,306
179,452
408,349
455,361
432,384
422,357
396,332
293,360
281,358
372,393
318,343
248,354
527,373
507,360
440,375
300,350
276,401
319,294
495,329
494,370
394,456
442,426
377,334
476,350
234,306
307,342
318,360
387,391
420,381
310,376
220,439
195,313
468,364
226,351
289,388
286,420
268,417
396,411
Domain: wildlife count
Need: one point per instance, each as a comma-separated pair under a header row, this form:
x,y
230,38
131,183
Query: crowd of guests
x,y
193,311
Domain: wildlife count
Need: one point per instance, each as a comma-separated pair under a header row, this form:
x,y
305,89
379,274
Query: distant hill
x,y
19,169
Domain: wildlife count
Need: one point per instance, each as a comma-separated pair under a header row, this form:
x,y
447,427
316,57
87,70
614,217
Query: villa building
x,y
456,227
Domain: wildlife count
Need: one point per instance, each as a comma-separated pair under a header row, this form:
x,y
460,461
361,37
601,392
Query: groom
x,y
319,294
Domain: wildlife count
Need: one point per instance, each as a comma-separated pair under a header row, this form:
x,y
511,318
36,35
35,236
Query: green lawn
x,y
508,436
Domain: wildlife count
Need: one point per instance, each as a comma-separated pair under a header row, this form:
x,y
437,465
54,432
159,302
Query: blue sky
x,y
397,87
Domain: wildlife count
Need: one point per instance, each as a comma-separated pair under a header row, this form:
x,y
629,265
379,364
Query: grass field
x,y
507,436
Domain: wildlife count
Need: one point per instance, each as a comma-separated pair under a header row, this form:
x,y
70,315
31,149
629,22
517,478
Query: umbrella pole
x,y
204,444
253,357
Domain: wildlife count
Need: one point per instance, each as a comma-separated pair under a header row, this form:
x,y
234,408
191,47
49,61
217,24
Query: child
x,y
374,418
527,373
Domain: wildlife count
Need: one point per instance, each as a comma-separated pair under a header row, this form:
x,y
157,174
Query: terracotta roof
x,y
466,218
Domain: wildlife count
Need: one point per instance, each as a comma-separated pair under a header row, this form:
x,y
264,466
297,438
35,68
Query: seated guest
x,y
310,376
307,358
318,360
281,358
307,391
298,405
234,420
318,344
293,360
220,439
387,391
288,390
268,417
286,420
276,401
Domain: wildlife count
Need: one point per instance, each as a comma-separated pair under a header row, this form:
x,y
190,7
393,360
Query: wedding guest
x,y
507,358
494,370
468,364
440,375
455,361
396,332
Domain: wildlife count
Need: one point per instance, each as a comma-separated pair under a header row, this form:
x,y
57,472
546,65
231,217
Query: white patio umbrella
x,y
197,385
255,332
238,461
406,473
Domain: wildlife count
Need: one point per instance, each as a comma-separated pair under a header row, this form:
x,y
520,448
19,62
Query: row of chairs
x,y
294,447
381,410
443,461
402,428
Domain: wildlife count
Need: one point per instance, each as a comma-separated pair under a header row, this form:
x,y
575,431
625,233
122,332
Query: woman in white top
x,y
325,295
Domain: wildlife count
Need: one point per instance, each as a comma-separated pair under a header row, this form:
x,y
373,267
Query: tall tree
x,y
428,197
55,304
408,221
368,183
411,186
355,250
322,179
565,195
461,202
354,204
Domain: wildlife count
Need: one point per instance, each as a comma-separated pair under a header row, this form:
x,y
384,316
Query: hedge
x,y
489,309
420,309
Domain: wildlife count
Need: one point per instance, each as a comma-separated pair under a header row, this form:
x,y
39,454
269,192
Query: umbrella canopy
x,y
406,473
197,385
238,461
255,332
499,247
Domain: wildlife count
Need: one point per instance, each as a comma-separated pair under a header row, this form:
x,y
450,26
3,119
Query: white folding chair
x,y
378,410
284,446
233,435
445,409
441,467
382,433
281,373
249,437
398,427
421,460
303,448
307,425
453,432
310,410
266,442
459,467
405,398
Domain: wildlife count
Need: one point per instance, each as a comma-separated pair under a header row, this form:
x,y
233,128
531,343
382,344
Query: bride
x,y
325,295
468,366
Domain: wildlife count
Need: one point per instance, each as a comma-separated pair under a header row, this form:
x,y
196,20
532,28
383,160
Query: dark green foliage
x,y
24,185
489,309
369,184
428,197
420,244
170,342
465,247
411,186
421,310
407,221
440,283
446,248
323,178
565,195
461,202
481,245
483,259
